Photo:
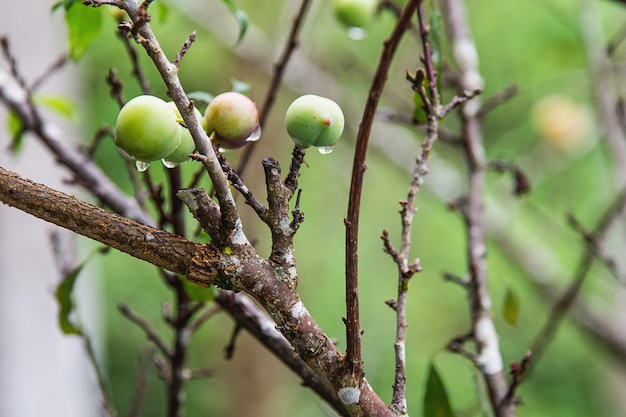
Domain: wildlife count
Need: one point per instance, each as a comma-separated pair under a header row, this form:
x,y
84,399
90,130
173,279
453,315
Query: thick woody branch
x,y
156,246
237,267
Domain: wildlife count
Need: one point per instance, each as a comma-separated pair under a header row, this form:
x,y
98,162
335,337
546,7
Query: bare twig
x,y
137,72
141,382
605,87
8,55
183,50
147,329
353,330
488,357
53,68
497,99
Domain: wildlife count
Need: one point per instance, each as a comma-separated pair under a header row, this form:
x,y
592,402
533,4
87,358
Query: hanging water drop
x,y
141,165
325,150
255,135
169,164
357,33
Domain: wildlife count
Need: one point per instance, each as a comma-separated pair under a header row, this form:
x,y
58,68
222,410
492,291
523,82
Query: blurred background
x,y
550,129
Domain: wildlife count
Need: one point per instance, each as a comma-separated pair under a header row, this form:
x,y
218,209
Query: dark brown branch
x,y
240,268
353,330
153,245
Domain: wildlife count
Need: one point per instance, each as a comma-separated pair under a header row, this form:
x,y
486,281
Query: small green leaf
x,y
162,11
241,16
83,25
16,130
198,293
436,401
240,86
419,114
511,306
202,96
64,106
63,295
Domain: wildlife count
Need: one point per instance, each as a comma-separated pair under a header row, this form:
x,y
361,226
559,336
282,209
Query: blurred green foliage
x,y
535,45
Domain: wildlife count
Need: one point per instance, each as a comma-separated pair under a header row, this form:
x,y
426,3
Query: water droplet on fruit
x,y
255,135
141,165
325,150
357,33
169,164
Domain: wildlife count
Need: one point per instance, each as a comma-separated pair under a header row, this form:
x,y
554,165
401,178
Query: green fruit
x,y
355,13
233,118
314,121
147,129
187,145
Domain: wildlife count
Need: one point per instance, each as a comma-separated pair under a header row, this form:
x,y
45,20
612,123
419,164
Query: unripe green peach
x,y
147,129
187,145
314,121
354,13
233,118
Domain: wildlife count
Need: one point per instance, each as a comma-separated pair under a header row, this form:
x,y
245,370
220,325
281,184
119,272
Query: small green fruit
x,y
187,145
233,118
147,129
355,13
314,121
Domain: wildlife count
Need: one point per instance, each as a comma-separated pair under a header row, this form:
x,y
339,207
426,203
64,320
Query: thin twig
x,y
141,383
353,330
147,329
137,72
53,68
488,357
183,50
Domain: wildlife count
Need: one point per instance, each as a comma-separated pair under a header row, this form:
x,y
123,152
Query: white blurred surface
x,y
42,372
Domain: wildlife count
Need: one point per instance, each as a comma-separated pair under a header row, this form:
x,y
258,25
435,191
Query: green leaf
x,y
241,16
202,96
511,306
83,25
162,11
64,106
63,295
240,86
419,114
16,130
198,293
436,402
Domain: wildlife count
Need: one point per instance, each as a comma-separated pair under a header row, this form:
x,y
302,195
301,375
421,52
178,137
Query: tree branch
x,y
489,358
237,267
353,330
